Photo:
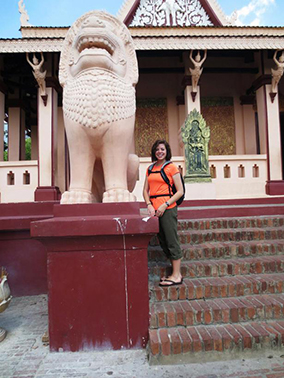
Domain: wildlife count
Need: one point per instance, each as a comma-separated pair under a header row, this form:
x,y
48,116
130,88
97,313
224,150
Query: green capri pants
x,y
168,236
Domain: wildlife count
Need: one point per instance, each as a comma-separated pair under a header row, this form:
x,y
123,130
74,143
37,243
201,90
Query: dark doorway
x,y
282,140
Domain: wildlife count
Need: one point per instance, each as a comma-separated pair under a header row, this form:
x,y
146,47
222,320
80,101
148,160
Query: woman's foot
x,y
171,281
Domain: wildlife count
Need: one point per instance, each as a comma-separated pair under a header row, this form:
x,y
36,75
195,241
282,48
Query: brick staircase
x,y
232,299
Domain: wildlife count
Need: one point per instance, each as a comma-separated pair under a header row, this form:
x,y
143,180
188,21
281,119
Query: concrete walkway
x,y
22,354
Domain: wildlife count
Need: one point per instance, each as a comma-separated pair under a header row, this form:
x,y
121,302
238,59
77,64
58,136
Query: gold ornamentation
x,y
219,113
151,124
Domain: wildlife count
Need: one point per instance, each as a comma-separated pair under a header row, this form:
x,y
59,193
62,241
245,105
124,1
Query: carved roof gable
x,y
182,13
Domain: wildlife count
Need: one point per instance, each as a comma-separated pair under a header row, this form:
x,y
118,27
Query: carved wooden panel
x,y
151,124
218,113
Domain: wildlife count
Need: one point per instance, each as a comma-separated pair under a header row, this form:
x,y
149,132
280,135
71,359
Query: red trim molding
x,y
275,187
130,14
47,193
212,15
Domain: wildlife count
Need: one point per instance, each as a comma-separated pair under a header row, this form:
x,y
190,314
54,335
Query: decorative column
x,y
47,150
269,134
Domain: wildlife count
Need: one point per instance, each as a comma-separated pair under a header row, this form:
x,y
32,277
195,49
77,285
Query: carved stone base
x,y
3,334
98,275
47,193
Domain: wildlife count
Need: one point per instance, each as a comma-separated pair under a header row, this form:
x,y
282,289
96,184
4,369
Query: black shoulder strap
x,y
163,173
150,168
165,177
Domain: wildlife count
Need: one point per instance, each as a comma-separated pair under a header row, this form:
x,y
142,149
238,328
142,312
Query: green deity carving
x,y
195,136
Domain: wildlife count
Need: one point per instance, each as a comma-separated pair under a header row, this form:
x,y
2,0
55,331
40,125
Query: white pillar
x,y
47,130
2,116
269,131
274,137
191,102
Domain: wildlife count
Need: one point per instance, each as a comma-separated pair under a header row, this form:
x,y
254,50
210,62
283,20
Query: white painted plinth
x,y
200,190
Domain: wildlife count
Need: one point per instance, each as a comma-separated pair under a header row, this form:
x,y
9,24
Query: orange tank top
x,y
157,185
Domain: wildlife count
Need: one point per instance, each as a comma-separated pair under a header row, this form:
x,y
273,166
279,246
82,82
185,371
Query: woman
x,y
163,205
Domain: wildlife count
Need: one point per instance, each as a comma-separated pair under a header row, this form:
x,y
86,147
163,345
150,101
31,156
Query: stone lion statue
x,y
98,72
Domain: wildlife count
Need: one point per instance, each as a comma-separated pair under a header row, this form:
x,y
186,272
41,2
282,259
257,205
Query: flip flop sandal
x,y
172,283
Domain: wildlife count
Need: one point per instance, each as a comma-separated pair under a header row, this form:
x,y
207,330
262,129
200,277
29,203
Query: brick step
x,y
185,344
217,311
217,287
221,268
225,235
221,250
195,237
231,223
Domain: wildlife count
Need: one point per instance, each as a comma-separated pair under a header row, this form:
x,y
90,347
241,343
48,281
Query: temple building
x,y
190,56
214,90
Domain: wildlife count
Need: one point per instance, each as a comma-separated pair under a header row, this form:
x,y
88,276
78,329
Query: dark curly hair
x,y
154,147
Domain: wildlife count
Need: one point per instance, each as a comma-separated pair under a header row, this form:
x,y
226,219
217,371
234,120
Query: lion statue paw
x,y
118,195
76,196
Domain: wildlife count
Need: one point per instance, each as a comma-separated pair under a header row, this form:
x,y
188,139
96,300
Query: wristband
x,y
149,203
167,204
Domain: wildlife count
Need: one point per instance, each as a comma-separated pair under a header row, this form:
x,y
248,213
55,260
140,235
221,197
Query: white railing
x,y
18,180
234,176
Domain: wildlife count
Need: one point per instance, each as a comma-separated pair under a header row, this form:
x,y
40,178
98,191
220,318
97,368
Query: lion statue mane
x,y
98,72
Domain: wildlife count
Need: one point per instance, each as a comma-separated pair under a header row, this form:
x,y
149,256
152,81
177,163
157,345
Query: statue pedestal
x,y
204,190
97,275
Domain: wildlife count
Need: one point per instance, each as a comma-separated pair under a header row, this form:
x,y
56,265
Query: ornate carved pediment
x,y
170,13
160,13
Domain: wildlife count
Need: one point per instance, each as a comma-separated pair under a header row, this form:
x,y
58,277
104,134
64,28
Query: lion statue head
x,y
98,71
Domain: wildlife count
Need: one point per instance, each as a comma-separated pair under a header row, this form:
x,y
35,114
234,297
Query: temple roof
x,y
166,38
176,25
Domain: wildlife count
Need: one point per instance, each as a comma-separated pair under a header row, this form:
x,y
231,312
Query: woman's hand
x,y
151,210
161,210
